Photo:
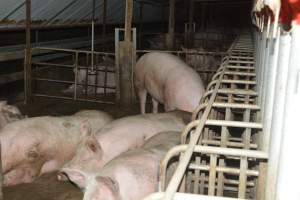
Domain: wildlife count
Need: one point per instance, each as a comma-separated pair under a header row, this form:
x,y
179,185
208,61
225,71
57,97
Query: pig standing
x,y
38,145
8,114
169,81
117,137
132,175
98,80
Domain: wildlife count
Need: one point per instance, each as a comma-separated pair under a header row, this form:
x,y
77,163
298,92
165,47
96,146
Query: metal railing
x,y
221,152
85,85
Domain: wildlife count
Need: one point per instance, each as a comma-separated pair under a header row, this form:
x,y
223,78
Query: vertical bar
x,y
93,36
104,13
288,175
117,58
212,175
76,75
128,20
28,72
270,89
243,178
278,115
171,29
141,24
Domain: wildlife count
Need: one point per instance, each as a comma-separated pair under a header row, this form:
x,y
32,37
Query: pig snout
x,y
61,176
75,176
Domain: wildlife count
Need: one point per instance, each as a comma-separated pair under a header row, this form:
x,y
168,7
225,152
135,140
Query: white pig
x,y
38,145
132,175
169,81
118,137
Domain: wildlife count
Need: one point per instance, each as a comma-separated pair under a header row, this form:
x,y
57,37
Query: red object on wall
x,y
290,11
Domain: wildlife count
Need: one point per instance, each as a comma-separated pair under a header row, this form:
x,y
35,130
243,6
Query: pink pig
x,y
169,81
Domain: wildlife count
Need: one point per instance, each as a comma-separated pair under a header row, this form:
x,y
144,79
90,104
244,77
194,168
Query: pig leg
x,y
155,106
142,95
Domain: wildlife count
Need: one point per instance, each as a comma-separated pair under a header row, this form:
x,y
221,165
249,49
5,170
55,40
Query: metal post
x,y
170,35
27,70
288,177
270,89
93,36
141,24
278,115
190,26
104,20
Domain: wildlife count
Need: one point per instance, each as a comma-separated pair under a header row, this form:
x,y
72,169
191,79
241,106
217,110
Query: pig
x,y
108,64
133,174
8,114
169,81
117,137
35,146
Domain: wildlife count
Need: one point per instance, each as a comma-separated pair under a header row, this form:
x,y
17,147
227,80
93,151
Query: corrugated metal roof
x,y
72,11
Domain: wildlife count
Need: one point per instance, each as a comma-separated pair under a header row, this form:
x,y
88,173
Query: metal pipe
x,y
93,37
278,115
287,186
270,88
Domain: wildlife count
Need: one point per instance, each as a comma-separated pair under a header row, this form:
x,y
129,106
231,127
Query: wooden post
x,y
104,8
170,35
27,68
141,24
162,18
126,61
190,26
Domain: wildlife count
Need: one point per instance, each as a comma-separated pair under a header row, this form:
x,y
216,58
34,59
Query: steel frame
x,y
76,66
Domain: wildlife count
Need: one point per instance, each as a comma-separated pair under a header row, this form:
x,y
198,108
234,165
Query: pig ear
x,y
93,145
76,177
183,49
85,129
109,182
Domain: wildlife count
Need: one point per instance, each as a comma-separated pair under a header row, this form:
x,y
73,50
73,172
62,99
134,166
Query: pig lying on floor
x,y
38,145
118,137
132,175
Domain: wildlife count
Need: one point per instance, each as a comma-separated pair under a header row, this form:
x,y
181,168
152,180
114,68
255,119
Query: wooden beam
x,y
126,60
27,69
171,30
128,20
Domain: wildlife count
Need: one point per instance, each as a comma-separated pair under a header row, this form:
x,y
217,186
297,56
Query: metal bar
x,y
28,73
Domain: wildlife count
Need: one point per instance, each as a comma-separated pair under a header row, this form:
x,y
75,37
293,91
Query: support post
x,y
126,59
27,68
141,24
171,30
190,26
104,8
